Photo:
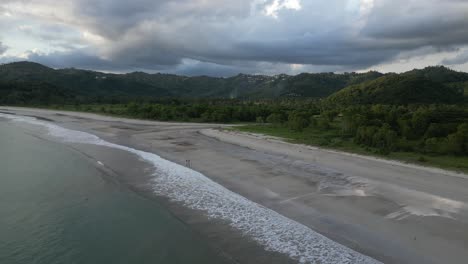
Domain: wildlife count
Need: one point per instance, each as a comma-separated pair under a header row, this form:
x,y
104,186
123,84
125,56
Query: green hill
x,y
429,85
33,93
90,85
324,84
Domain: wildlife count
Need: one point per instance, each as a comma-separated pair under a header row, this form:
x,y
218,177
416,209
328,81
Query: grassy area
x,y
333,139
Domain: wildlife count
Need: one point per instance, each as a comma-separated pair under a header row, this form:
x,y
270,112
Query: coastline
x,y
332,193
181,186
132,173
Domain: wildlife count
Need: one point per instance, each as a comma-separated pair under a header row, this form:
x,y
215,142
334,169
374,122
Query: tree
x,y
458,142
351,122
420,121
323,123
297,121
385,139
275,118
435,145
330,115
405,128
313,121
364,135
436,130
206,116
133,108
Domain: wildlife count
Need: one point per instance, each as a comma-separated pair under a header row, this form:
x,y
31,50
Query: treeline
x,y
433,129
202,110
437,129
39,93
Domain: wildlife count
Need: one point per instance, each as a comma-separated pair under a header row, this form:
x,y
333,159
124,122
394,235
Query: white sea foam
x,y
270,229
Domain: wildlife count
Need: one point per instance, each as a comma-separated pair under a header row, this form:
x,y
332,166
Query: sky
x,y
225,37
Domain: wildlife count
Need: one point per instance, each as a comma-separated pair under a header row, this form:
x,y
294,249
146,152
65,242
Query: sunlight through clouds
x,y
277,5
365,7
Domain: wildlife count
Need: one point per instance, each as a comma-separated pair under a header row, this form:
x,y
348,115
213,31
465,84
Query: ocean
x,y
58,207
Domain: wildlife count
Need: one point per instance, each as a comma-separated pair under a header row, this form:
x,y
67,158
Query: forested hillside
x,y
91,86
430,85
34,93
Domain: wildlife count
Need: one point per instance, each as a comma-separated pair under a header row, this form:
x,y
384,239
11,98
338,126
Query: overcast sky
x,y
226,37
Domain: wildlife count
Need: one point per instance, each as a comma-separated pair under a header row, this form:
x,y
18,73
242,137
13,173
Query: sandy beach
x,y
389,211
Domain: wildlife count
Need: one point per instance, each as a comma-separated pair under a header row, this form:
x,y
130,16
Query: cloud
x,y
459,59
419,23
223,36
272,9
3,48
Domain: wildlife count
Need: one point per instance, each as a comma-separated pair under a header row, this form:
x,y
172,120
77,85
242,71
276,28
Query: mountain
x,y
92,84
429,85
23,80
33,93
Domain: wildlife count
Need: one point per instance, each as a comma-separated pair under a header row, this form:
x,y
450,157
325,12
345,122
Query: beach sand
x,y
393,212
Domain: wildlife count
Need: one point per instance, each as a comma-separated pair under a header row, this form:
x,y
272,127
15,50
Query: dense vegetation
x,y
419,116
431,85
33,93
437,134
435,129
200,110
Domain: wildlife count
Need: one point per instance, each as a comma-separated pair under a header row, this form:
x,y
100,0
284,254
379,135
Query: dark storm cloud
x,y
113,18
224,37
419,23
165,32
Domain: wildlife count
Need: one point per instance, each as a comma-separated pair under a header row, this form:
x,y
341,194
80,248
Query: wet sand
x,y
394,212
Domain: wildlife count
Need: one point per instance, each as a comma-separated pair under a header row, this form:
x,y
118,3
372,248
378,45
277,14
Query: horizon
x,y
223,38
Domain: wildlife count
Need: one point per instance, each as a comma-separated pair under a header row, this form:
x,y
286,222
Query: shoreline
x,y
452,171
135,178
376,208
183,186
128,171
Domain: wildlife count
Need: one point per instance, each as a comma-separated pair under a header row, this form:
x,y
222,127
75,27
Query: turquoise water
x,y
56,207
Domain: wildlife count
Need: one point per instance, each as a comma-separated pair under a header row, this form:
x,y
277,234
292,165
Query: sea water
x,y
57,207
